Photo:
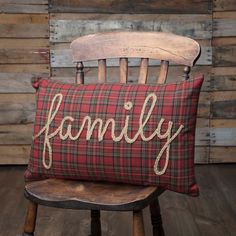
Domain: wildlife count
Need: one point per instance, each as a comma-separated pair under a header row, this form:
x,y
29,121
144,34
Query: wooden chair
x,y
96,196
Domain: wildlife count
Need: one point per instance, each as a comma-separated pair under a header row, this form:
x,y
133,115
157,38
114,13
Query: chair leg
x,y
156,218
95,223
30,219
138,226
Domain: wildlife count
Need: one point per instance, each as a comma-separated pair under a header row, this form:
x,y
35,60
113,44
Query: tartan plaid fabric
x,y
77,155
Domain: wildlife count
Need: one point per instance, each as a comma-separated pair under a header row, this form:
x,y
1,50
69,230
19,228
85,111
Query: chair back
x,y
161,46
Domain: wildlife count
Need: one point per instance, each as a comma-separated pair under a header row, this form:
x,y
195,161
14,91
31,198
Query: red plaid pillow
x,y
138,134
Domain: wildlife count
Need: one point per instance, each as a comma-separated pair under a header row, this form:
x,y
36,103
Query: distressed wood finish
x,y
163,72
67,27
24,6
102,71
223,104
222,154
14,154
138,226
161,46
30,220
224,5
61,56
131,6
89,195
24,26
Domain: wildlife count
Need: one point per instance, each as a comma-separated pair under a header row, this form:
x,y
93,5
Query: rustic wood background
x,y
35,37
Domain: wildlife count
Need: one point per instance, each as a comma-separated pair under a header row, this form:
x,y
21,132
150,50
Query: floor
x,y
211,214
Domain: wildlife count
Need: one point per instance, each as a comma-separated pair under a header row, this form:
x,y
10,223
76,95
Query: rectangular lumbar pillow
x,y
138,134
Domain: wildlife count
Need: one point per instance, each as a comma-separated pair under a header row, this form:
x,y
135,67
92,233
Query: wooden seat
x,y
96,196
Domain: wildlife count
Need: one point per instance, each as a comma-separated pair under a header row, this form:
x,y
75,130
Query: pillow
x,y
137,134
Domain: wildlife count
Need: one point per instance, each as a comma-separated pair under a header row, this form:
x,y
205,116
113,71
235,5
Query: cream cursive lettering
x,y
64,130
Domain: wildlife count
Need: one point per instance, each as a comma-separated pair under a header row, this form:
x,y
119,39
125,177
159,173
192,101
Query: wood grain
x,y
222,154
24,6
17,108
78,194
224,5
131,6
67,27
223,104
16,134
61,56
14,154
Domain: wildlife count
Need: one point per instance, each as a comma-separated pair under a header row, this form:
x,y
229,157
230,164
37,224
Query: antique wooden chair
x,y
96,196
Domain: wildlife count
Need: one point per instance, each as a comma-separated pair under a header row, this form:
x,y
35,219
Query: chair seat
x,y
73,194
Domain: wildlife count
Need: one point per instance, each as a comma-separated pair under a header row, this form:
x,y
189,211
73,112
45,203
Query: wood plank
x,y
14,154
201,155
67,27
24,56
222,154
16,134
224,5
19,6
223,123
224,56
25,68
223,83
24,43
24,31
223,137
223,104
17,108
224,27
131,6
24,19
175,74
18,82
61,56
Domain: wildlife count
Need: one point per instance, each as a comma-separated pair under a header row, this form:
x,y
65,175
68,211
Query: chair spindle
x,y
123,70
187,70
143,72
102,71
80,73
163,72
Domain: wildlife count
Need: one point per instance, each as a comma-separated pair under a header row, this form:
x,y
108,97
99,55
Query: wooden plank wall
x,y
30,28
24,53
223,83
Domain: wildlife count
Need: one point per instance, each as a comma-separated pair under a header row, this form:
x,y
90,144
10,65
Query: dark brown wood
x,y
80,73
130,6
138,226
211,214
30,219
156,218
90,195
95,223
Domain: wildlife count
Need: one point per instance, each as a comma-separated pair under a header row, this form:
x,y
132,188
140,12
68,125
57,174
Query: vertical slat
x,y
102,71
163,72
123,70
80,73
143,71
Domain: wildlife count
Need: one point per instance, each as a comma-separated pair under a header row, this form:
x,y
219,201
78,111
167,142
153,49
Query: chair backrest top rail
x,y
153,45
